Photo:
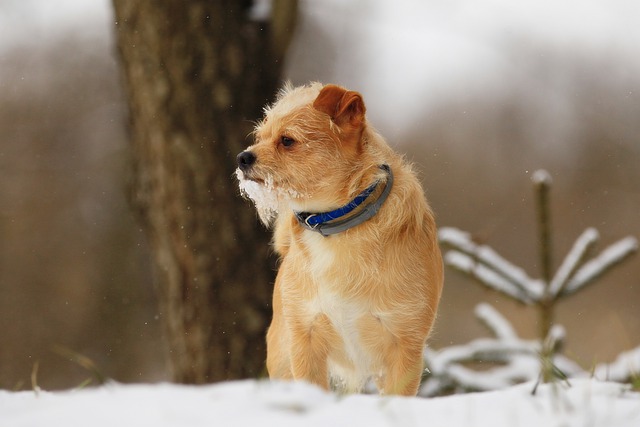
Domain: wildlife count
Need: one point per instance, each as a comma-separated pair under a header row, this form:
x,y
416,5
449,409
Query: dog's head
x,y
305,150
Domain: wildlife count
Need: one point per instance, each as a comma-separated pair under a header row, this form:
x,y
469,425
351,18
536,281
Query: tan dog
x,y
361,273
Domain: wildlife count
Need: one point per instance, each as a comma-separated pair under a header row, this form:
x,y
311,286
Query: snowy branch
x,y
486,265
497,324
623,369
572,261
492,270
504,360
610,257
485,275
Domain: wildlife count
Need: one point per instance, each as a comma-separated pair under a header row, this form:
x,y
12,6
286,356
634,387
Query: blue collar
x,y
328,223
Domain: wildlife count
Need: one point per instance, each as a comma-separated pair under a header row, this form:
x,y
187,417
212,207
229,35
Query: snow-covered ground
x,y
248,403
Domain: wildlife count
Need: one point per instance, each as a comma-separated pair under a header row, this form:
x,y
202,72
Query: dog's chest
x,y
332,279
343,313
334,276
337,263
349,362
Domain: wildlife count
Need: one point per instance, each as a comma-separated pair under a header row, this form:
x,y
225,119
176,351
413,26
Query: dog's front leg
x,y
398,354
403,369
278,362
311,343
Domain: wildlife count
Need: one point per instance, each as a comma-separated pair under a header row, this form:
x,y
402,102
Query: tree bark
x,y
197,74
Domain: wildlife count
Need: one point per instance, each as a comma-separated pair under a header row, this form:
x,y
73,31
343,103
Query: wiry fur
x,y
359,304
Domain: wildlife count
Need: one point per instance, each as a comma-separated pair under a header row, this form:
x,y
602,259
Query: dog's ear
x,y
343,106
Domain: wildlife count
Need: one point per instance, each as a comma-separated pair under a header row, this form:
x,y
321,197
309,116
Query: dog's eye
x,y
286,141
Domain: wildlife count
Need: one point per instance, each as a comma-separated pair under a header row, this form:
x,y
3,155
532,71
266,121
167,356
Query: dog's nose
x,y
245,160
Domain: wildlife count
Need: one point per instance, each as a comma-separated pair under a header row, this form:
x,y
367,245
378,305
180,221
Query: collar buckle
x,y
311,226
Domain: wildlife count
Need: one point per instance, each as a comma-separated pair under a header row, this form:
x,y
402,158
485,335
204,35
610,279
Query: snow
x,y
625,365
250,402
541,177
264,196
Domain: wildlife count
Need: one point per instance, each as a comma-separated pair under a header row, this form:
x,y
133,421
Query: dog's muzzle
x,y
245,160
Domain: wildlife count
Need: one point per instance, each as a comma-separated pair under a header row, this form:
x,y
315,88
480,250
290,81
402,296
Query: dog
x,y
360,273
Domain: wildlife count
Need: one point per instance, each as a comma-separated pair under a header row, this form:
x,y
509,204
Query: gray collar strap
x,y
342,219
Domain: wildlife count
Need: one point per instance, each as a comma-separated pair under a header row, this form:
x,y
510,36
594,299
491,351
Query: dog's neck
x,y
360,209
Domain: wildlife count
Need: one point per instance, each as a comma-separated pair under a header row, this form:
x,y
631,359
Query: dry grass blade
x,y
81,360
34,378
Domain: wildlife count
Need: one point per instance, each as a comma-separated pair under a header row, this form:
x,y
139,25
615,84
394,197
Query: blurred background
x,y
479,94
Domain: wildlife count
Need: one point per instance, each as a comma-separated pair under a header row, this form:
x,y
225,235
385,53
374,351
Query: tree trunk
x,y
197,74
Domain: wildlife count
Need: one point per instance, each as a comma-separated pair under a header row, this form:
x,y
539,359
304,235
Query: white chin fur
x,y
263,196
